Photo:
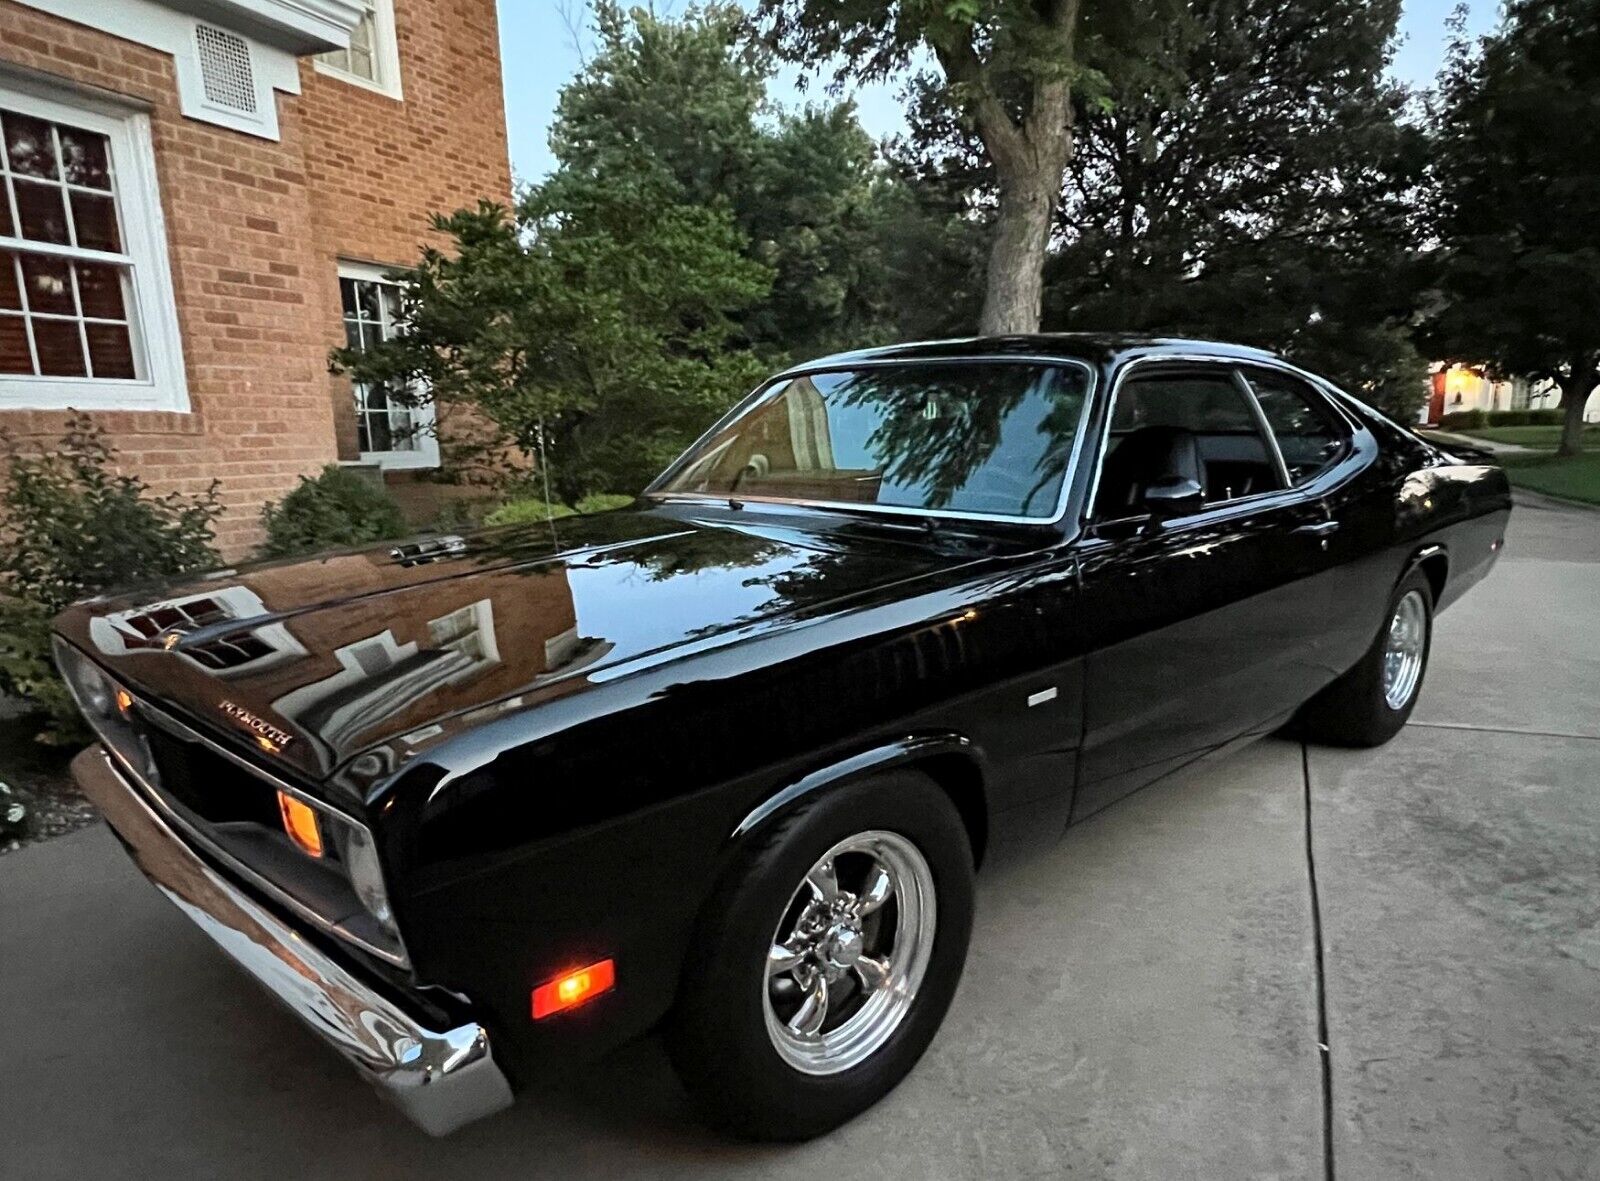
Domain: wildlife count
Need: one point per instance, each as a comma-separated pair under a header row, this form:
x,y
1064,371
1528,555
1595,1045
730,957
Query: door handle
x,y
1319,529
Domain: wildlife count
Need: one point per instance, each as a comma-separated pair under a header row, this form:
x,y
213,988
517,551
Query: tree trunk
x,y
1014,286
1574,397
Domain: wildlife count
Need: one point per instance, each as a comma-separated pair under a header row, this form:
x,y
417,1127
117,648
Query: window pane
x,y
361,64
29,146
366,300
10,296
352,334
84,159
6,228
14,356
379,438
48,283
347,296
1305,431
110,350
60,348
95,219
1164,425
100,291
41,210
363,436
981,438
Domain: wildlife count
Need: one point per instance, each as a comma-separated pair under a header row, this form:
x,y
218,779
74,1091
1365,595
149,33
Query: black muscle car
x,y
725,761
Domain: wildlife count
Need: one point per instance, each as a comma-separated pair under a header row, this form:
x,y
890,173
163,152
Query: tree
x,y
1010,68
593,325
1517,202
685,102
1254,180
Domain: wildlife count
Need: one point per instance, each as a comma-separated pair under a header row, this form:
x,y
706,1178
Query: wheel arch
x,y
951,760
1434,563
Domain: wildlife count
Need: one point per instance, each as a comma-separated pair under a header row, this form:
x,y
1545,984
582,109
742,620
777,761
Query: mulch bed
x,y
38,776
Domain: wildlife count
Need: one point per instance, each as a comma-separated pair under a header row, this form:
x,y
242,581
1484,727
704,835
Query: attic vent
x,y
225,69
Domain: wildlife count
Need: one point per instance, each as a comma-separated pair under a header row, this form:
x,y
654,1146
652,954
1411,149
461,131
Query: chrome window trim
x,y
1317,388
1291,493
762,393
277,893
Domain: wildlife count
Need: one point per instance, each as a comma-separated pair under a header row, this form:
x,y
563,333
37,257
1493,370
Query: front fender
x,y
900,752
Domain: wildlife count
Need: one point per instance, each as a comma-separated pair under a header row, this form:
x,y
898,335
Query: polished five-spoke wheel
x,y
1406,647
826,958
849,952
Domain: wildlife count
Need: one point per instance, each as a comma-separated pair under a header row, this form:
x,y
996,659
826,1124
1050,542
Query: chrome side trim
x,y
766,389
441,1079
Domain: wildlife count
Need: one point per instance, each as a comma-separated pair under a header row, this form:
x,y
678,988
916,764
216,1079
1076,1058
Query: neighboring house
x,y
1453,389
198,198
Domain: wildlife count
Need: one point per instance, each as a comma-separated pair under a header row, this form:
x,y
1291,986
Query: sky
x,y
540,51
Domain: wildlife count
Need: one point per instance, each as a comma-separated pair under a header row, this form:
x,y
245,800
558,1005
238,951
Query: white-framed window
x,y
373,58
87,318
390,432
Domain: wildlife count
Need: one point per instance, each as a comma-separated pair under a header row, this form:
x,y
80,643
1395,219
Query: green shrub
x,y
522,510
73,527
337,508
1463,420
526,510
603,502
1524,418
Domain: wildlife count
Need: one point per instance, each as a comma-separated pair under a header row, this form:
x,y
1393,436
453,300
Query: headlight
x,y
106,706
90,688
366,875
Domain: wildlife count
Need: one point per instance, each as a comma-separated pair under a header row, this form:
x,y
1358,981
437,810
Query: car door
x,y
1200,628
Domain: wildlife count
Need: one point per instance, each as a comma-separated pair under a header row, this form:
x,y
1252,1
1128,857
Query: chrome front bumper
x,y
441,1080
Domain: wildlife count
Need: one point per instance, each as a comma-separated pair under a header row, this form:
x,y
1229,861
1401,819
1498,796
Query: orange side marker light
x,y
573,989
300,822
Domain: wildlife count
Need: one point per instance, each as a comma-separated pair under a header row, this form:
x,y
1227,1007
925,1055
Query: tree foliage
x,y
1254,181
1009,71
74,527
1517,202
689,239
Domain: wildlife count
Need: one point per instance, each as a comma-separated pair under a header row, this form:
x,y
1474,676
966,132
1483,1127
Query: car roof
x,y
1096,348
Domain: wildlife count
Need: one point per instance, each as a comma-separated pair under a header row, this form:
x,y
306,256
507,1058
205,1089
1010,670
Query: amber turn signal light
x,y
574,988
300,822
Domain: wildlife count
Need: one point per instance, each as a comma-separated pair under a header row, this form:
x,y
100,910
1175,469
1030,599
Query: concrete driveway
x,y
1145,1001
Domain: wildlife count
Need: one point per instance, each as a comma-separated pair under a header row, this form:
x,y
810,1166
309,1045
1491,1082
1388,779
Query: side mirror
x,y
1174,496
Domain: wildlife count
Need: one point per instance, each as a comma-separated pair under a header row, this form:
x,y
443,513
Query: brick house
x,y
198,198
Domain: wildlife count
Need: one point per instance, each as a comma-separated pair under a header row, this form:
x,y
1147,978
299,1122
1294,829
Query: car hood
x,y
346,651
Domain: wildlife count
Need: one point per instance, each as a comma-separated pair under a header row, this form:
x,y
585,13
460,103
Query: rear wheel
x,y
824,966
1370,703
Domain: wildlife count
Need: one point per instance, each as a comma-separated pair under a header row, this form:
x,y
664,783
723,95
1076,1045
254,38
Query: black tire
x,y
718,1036
1354,711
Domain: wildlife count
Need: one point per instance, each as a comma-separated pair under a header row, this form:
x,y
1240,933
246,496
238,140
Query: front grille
x,y
210,787
233,810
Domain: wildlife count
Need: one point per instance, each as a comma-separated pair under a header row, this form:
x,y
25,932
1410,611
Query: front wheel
x,y
825,963
1370,703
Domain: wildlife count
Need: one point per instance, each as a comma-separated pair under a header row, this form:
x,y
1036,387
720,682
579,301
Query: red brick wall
x,y
379,168
255,228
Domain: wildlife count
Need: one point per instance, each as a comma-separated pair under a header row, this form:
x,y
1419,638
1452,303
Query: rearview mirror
x,y
1174,496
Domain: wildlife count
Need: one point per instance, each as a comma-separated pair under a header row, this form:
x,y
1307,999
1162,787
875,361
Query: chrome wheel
x,y
1404,650
849,952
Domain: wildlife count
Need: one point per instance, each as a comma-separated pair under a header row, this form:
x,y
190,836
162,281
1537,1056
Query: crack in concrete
x,y
1324,1052
1504,730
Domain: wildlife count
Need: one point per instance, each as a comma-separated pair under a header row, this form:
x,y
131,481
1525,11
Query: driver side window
x,y
1182,424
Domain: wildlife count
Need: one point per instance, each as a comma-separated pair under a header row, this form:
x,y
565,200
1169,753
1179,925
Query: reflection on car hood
x,y
347,651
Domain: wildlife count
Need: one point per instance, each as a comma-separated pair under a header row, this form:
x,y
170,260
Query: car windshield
x,y
990,438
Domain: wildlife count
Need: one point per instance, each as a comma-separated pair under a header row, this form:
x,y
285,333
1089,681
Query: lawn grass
x,y
1543,438
1573,478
